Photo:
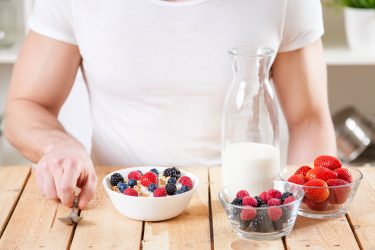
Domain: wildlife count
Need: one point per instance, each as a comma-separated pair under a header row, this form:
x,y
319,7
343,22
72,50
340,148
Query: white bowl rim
x,y
195,183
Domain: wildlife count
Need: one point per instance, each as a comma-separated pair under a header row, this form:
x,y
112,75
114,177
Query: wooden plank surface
x,y
190,230
103,227
362,211
12,182
33,223
224,237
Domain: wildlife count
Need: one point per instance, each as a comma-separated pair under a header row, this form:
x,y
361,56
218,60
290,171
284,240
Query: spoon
x,y
73,217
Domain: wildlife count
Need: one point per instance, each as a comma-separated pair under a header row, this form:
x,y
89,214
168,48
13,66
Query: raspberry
x,y
237,202
160,192
303,170
344,174
327,161
186,181
131,192
297,179
285,195
242,193
249,201
170,188
263,196
135,175
273,193
116,178
289,199
274,202
248,213
274,213
149,178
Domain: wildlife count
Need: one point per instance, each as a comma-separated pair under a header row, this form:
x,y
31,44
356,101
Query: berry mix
x,y
270,219
318,182
152,183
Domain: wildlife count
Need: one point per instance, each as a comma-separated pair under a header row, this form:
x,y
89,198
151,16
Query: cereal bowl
x,y
149,208
259,223
337,198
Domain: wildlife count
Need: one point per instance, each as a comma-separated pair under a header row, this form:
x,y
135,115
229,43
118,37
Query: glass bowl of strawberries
x,y
329,187
261,209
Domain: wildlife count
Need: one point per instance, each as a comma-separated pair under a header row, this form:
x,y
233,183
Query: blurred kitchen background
x,y
351,79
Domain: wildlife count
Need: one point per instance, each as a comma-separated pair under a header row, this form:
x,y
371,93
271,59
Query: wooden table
x,y
28,221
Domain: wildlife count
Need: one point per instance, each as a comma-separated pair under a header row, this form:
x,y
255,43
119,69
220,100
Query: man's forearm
x,y
34,130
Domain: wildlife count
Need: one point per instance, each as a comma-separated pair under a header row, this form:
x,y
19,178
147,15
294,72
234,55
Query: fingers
x,y
49,186
68,183
39,176
87,191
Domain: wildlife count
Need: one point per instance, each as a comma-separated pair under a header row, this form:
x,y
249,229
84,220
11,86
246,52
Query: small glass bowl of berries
x,y
150,193
261,209
329,187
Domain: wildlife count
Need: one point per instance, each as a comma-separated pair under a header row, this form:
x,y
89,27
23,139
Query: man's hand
x,y
63,169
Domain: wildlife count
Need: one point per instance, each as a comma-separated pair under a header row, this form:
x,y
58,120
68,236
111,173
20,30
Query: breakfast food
x,y
325,185
265,215
151,183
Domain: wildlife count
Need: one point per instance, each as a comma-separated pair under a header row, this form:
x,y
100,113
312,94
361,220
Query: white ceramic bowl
x,y
149,208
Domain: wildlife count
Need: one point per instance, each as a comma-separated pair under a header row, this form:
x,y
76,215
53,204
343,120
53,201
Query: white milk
x,y
245,161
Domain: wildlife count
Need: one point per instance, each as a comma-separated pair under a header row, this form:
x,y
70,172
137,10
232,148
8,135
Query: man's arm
x,y
300,79
42,79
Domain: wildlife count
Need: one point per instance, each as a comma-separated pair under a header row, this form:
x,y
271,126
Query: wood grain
x,y
12,182
362,211
103,227
190,230
224,237
33,223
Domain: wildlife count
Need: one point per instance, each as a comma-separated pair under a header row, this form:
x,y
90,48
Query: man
x,y
157,72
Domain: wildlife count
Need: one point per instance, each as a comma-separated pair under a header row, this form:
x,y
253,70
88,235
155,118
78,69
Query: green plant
x,y
362,4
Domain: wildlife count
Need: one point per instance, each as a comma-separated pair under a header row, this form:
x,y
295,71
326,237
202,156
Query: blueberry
x,y
179,192
185,188
132,183
155,171
121,186
172,180
152,187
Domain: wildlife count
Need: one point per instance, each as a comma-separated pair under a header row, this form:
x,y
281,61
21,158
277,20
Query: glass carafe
x,y
250,129
8,23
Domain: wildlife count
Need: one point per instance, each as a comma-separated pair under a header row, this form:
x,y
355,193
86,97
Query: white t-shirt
x,y
157,71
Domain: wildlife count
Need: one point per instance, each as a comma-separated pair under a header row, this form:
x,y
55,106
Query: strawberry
x,y
186,181
316,190
344,174
248,213
160,192
149,178
242,193
303,170
290,199
321,173
273,193
274,213
327,161
298,179
263,196
130,192
316,206
135,175
273,202
249,201
338,195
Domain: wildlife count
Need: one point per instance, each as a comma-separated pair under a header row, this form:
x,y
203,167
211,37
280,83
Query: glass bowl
x,y
338,201
261,227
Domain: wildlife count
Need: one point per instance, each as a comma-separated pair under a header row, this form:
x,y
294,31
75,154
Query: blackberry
x,y
172,172
170,188
261,223
152,187
132,183
121,186
237,201
155,171
259,200
172,180
179,192
244,224
264,205
185,188
285,195
116,178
